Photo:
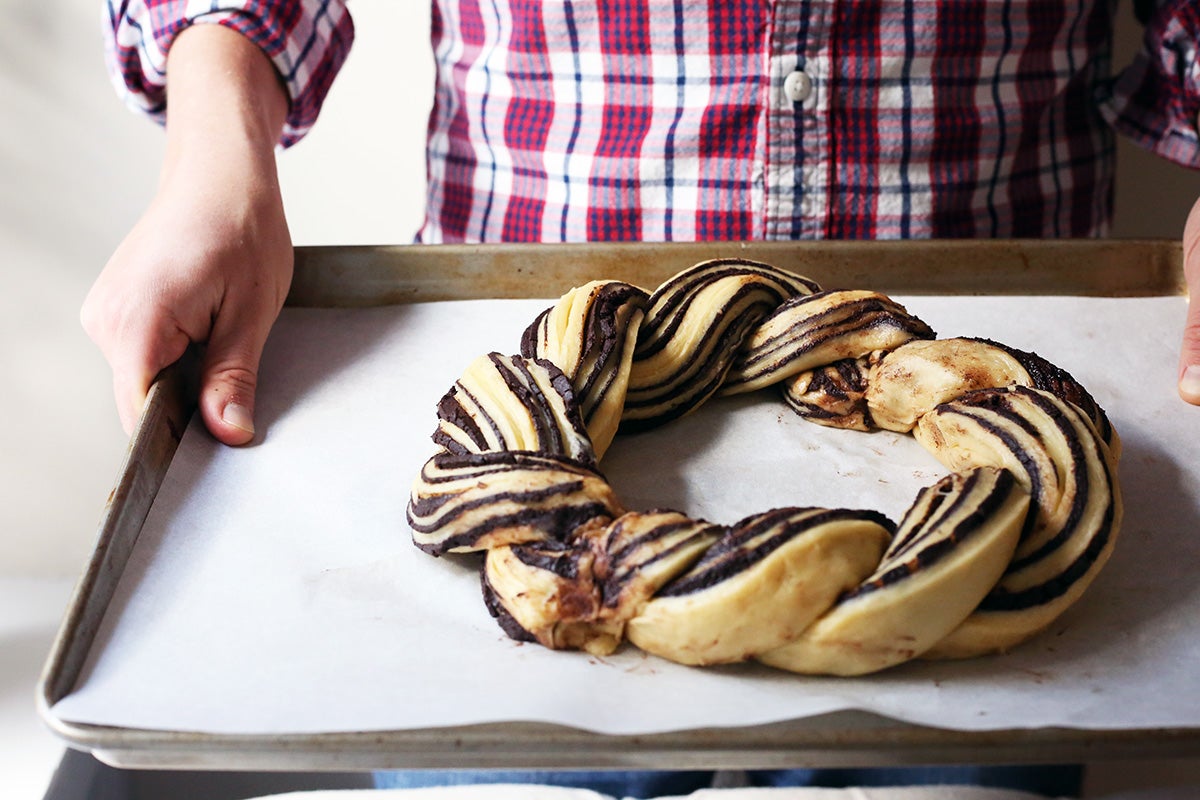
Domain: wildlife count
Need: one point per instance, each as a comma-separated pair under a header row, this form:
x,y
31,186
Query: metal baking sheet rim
x,y
363,276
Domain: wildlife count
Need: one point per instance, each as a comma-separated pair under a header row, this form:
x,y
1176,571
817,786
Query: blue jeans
x,y
1048,780
616,783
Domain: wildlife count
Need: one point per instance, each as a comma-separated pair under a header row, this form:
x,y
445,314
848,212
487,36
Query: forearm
x,y
225,110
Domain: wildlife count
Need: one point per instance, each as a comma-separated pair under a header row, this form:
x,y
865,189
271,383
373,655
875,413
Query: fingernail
x,y
238,416
1189,384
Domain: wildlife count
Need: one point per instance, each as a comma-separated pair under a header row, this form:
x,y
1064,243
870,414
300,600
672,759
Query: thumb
x,y
1189,357
229,381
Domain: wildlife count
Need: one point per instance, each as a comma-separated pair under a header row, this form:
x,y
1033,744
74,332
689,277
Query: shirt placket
x,y
797,151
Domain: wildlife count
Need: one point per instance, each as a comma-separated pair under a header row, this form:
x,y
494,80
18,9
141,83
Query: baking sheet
x,y
274,590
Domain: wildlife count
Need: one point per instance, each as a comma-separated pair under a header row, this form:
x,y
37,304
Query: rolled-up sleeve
x,y
1156,100
306,40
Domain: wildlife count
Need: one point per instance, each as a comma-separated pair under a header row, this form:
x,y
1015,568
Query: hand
x,y
1189,360
210,261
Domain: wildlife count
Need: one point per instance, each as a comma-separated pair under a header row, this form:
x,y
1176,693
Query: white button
x,y
797,86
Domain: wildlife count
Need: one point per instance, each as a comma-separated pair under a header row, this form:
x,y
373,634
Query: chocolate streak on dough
x,y
990,398
1079,475
929,555
679,292
630,548
841,320
576,598
557,522
729,558
604,334
493,462
451,411
541,414
533,335
1001,599
697,378
527,391
999,402
624,563
605,329
560,558
507,622
836,391
1060,383
716,333
912,531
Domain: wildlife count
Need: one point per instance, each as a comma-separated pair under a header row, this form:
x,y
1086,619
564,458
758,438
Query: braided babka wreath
x,y
985,558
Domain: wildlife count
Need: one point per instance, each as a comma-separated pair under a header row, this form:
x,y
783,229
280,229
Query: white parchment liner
x,y
274,588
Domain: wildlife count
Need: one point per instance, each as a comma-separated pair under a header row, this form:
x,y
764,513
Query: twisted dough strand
x,y
819,329
952,544
508,403
477,501
1062,460
591,334
694,326
984,558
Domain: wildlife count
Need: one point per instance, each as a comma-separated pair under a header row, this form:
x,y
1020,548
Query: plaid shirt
x,y
739,119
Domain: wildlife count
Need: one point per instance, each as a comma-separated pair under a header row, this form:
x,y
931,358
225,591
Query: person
x,y
653,120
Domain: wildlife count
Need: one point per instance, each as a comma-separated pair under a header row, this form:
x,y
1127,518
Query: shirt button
x,y
797,86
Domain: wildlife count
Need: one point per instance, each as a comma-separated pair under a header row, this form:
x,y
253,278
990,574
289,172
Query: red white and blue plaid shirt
x,y
740,119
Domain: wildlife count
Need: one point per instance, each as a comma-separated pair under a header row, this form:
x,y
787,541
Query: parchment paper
x,y
274,588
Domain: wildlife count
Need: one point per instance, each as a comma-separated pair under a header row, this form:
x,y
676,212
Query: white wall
x,y
73,172
359,176
76,170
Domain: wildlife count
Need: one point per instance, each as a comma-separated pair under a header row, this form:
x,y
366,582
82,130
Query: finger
x,y
229,380
136,354
1189,356
130,390
1189,360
